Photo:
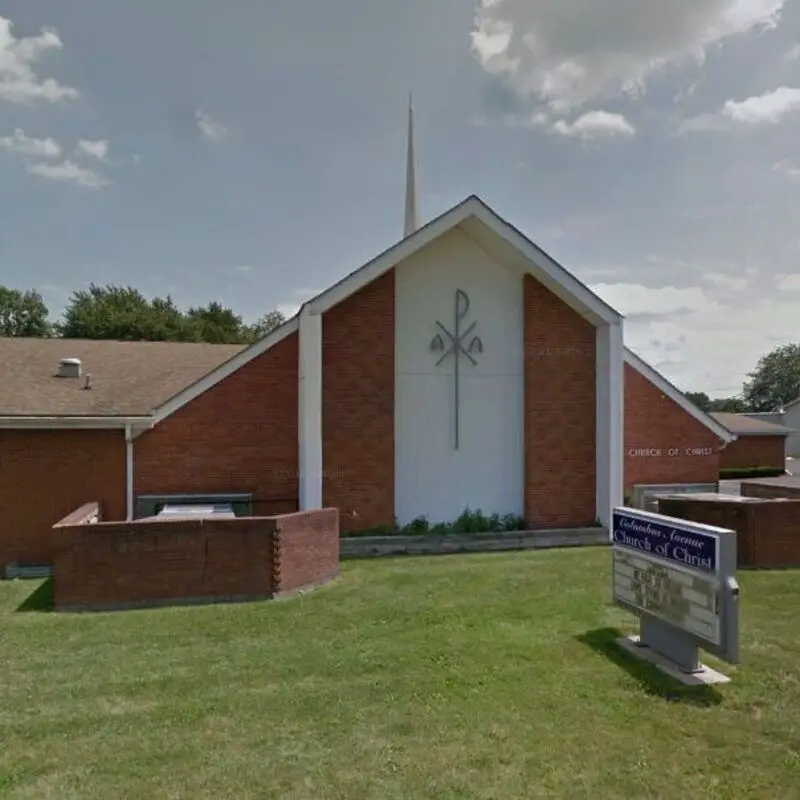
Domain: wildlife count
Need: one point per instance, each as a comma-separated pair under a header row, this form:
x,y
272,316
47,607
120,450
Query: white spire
x,y
412,221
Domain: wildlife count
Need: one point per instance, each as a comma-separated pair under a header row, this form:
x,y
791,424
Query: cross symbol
x,y
457,349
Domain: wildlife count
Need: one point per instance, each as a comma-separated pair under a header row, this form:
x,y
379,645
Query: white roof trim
x,y
469,208
71,423
658,380
224,370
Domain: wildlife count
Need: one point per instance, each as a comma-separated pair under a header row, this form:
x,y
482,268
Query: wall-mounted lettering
x,y
671,452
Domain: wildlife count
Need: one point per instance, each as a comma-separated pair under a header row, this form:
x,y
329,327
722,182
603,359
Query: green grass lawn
x,y
488,676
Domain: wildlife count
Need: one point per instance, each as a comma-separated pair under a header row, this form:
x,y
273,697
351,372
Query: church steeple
x,y
412,219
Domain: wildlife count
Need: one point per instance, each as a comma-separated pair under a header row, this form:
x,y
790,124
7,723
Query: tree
x,y
733,405
265,324
124,313
700,399
218,325
23,314
775,379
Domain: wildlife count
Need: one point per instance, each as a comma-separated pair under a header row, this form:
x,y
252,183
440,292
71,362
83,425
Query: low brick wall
x,y
782,486
113,565
768,531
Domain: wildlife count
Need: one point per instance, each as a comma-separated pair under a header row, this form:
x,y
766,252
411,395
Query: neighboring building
x,y
775,417
791,419
758,443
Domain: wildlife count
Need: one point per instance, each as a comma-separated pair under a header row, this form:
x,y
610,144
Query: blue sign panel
x,y
672,542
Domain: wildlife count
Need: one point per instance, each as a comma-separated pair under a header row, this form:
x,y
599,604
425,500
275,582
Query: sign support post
x,y
679,647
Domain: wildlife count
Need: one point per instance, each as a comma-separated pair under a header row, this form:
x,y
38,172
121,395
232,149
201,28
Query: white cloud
x,y
96,148
568,53
638,300
684,93
697,341
722,281
706,123
595,124
535,120
792,54
719,345
770,107
211,129
788,168
19,142
19,82
68,172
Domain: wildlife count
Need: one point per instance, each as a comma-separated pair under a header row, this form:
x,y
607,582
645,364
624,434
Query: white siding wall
x,y
486,472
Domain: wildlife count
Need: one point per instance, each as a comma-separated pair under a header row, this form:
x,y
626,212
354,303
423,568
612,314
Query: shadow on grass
x,y
652,680
41,599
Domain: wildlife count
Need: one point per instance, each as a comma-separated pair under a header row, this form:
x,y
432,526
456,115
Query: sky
x,y
254,153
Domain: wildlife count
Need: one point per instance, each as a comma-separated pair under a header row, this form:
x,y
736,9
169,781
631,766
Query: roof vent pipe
x,y
69,368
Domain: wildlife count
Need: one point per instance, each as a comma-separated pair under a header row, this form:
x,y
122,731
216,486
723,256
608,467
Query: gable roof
x,y
129,379
744,425
716,426
488,230
478,221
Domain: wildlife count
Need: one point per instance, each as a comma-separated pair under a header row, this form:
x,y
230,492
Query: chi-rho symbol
x,y
455,344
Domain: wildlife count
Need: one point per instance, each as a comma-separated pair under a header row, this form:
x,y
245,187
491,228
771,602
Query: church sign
x,y
678,577
460,343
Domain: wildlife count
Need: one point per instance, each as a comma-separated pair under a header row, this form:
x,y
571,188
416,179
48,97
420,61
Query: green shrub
x,y
739,473
468,522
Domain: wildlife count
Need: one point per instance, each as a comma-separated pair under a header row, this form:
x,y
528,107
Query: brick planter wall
x,y
768,531
788,486
112,565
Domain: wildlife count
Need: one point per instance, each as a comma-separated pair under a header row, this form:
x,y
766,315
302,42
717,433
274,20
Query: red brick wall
x,y
239,436
358,406
678,448
307,549
765,488
154,562
46,474
766,530
755,451
560,403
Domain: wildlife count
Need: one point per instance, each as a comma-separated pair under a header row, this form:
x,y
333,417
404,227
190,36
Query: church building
x,y
462,368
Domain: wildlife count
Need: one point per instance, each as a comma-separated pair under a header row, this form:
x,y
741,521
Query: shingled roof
x,y
128,379
742,425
